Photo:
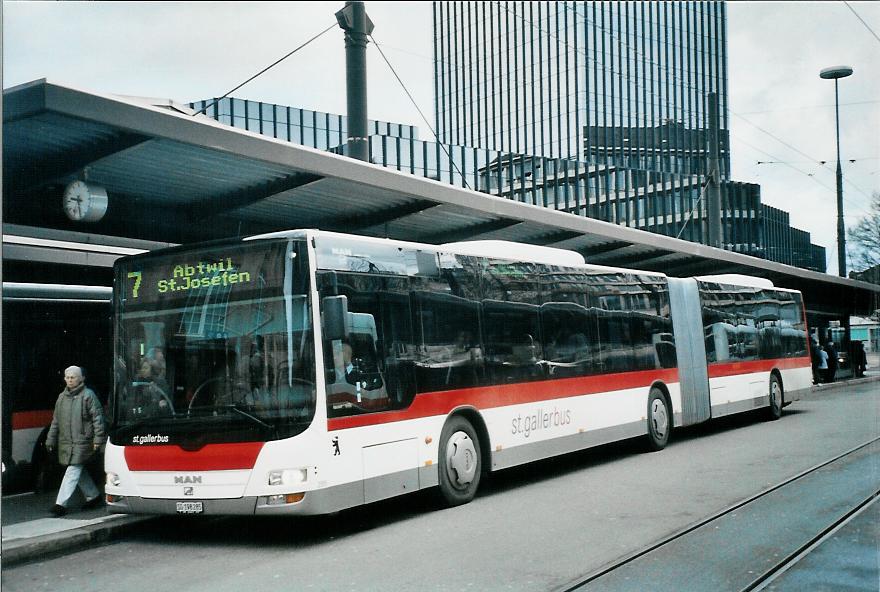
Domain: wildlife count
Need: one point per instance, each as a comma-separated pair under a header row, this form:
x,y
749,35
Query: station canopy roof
x,y
176,177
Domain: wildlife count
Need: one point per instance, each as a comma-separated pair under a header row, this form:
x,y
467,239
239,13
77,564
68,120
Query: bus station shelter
x,y
174,177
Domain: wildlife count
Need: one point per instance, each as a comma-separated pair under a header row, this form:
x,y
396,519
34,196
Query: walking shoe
x,y
58,510
95,502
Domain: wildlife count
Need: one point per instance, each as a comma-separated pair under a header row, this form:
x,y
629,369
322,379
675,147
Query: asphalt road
x,y
539,527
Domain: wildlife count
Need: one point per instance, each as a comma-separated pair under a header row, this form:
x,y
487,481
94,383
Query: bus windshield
x,y
213,345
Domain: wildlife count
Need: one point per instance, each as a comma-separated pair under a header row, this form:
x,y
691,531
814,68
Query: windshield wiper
x,y
253,418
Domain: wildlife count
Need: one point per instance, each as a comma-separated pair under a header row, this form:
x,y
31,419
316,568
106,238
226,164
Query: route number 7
x,y
137,282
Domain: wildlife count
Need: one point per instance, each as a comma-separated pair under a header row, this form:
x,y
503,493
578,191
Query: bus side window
x,y
448,351
567,351
372,369
513,344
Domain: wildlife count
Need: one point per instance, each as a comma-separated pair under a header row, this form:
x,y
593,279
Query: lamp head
x,y
835,72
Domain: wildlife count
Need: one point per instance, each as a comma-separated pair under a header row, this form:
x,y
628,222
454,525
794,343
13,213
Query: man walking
x,y
77,432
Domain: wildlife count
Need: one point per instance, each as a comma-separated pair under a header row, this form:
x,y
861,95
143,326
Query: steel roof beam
x,y
640,261
380,217
468,232
72,162
708,267
210,207
556,237
601,249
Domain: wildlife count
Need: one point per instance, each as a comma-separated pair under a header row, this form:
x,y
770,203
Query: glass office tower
x,y
601,80
617,91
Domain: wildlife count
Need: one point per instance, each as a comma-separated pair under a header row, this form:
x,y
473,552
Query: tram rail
x,y
766,576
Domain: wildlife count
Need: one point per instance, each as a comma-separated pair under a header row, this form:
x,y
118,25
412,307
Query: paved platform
x,y
30,532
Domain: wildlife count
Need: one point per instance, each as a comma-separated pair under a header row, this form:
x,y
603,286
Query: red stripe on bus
x,y
442,402
23,420
719,369
212,457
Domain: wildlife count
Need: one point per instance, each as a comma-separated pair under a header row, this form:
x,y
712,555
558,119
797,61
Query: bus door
x,y
690,348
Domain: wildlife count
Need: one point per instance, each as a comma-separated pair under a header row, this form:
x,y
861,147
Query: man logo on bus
x,y
181,479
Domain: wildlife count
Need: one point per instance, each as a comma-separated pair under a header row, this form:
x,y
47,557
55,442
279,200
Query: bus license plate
x,y
189,508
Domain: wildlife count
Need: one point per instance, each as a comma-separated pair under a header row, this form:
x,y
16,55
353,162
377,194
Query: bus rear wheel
x,y
659,420
460,463
777,398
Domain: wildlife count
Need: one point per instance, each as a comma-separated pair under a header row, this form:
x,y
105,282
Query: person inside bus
x,y
150,399
351,367
156,356
261,371
357,371
76,433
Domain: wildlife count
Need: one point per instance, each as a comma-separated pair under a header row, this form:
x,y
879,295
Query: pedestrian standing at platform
x,y
76,433
815,357
832,362
860,363
822,366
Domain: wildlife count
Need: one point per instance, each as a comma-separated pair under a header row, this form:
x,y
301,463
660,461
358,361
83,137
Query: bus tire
x,y
659,420
777,398
460,462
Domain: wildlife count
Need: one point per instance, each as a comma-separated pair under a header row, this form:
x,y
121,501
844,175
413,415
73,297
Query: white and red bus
x,y
305,372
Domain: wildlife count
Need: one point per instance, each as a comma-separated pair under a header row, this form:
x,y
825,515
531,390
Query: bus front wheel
x,y
659,420
777,398
460,462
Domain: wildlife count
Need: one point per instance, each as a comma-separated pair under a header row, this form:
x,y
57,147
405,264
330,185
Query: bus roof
x,y
499,249
737,280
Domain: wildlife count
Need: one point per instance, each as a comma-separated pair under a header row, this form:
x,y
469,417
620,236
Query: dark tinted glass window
x,y
569,342
449,353
512,326
745,323
373,369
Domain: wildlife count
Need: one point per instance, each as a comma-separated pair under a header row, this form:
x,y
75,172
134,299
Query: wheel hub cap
x,y
461,459
659,418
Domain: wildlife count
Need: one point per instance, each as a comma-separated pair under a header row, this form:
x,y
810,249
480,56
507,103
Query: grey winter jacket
x,y
77,428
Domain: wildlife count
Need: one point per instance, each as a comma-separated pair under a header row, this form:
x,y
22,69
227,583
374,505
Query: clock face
x,y
83,202
77,200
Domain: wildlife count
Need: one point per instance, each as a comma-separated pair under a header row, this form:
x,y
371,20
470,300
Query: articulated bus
x,y
305,372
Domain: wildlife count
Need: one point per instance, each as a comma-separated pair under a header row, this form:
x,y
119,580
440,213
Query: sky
x,y
781,112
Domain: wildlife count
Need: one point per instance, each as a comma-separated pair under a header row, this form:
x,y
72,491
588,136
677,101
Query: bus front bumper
x,y
325,501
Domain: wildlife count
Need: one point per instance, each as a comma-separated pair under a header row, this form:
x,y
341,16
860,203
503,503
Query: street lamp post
x,y
835,73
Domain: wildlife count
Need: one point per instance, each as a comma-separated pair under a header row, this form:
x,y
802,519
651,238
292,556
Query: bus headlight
x,y
112,479
288,476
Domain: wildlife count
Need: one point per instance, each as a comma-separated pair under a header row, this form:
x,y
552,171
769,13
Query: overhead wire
x,y
801,152
806,107
425,119
810,175
862,20
264,70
